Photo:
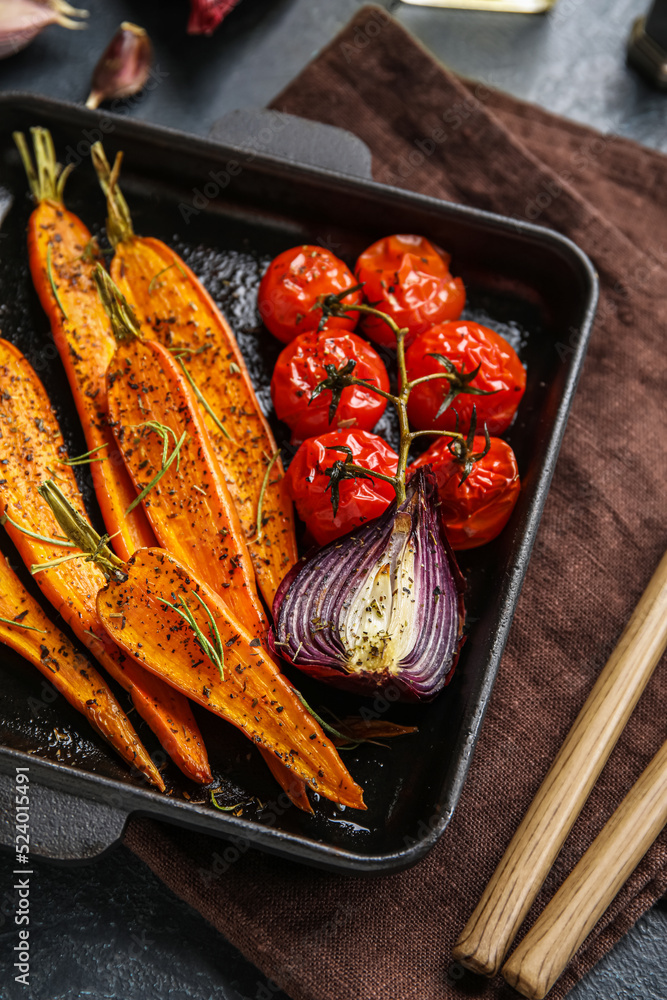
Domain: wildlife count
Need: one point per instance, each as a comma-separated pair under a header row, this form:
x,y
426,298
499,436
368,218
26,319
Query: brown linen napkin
x,y
325,937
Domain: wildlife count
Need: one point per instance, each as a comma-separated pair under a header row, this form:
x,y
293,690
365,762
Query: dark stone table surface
x,y
110,930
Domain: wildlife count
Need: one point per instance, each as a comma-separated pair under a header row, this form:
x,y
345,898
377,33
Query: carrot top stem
x,y
78,531
124,323
46,177
119,220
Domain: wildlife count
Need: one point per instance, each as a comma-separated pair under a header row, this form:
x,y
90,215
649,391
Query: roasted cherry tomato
x,y
359,499
301,367
291,286
475,511
467,345
408,278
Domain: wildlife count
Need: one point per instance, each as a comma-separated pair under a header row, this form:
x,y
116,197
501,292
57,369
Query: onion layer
x,y
379,608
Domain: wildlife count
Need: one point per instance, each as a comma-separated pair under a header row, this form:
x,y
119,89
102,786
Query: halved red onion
x,y
379,608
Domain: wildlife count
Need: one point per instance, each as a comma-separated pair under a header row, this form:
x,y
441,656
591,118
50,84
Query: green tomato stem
x,y
371,472
376,389
400,401
429,378
436,433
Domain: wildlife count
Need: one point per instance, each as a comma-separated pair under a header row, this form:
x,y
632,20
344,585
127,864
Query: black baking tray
x,y
228,206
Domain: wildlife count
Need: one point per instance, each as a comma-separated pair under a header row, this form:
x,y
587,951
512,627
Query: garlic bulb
x,y
22,20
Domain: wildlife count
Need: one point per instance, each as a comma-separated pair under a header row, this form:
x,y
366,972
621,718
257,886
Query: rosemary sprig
x,y
211,647
174,263
31,628
225,809
52,282
85,459
260,502
40,567
6,519
326,726
163,431
93,554
200,396
181,350
215,634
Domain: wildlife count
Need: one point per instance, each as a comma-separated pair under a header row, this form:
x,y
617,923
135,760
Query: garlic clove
x,y
123,67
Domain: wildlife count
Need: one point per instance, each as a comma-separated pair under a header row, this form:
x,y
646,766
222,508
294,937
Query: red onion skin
x,y
206,15
370,683
364,684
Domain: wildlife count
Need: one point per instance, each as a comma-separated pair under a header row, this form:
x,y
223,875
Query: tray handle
x,y
297,140
62,827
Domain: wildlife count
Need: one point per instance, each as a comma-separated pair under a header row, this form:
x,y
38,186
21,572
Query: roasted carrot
x,y
250,692
151,408
190,509
290,783
175,625
62,258
170,300
26,629
32,450
167,452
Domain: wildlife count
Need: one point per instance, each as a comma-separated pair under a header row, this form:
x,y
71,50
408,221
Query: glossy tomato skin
x,y
466,344
408,278
300,368
293,282
476,511
360,499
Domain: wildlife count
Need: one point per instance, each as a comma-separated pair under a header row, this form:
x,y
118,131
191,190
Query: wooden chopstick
x,y
521,872
592,885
